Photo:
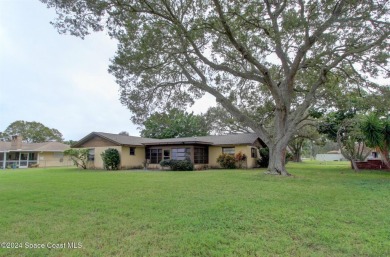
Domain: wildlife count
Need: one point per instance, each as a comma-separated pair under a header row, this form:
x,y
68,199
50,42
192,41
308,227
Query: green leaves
x,y
33,132
111,159
78,156
373,130
175,123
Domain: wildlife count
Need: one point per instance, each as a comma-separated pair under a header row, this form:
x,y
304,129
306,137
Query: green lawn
x,y
323,210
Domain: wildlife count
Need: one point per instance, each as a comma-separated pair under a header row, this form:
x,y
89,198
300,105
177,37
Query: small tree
x,y
111,159
377,134
351,142
78,156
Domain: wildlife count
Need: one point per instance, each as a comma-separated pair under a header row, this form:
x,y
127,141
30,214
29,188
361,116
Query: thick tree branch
x,y
241,118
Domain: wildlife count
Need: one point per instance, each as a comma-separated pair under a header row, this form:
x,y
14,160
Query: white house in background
x,y
330,156
17,154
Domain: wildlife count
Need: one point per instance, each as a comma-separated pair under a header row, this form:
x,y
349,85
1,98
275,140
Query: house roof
x,y
116,139
35,147
232,139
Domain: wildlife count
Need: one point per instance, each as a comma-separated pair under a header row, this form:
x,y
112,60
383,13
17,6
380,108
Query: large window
x,y
154,155
201,155
228,150
181,154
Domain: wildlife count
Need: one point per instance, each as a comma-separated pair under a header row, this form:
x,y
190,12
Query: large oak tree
x,y
32,132
244,53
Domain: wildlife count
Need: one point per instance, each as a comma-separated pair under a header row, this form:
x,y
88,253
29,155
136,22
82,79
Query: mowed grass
x,y
323,210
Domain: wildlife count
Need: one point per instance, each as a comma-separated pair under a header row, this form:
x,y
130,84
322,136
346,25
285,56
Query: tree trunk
x,y
277,160
354,166
385,157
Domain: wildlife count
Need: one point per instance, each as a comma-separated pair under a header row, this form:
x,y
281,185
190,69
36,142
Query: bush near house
x,y
111,159
227,161
240,159
178,165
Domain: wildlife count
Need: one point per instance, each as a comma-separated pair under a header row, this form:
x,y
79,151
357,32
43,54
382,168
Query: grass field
x,y
323,210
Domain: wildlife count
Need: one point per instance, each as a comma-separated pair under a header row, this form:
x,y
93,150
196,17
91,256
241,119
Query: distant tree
x,y
70,142
343,127
175,123
124,133
307,133
377,135
33,132
350,140
78,156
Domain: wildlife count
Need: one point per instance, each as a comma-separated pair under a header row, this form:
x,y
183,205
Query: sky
x,y
58,80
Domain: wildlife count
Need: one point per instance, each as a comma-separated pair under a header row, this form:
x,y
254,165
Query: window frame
x,y
229,152
253,152
132,151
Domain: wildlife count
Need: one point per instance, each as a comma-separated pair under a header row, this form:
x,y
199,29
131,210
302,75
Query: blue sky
x,y
58,80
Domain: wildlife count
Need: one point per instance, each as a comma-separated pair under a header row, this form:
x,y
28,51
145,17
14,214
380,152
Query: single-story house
x,y
18,154
202,151
331,156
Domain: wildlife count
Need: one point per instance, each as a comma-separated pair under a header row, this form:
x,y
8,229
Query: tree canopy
x,y
32,132
247,54
175,123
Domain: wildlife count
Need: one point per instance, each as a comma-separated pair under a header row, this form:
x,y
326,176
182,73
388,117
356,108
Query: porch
x,y
12,160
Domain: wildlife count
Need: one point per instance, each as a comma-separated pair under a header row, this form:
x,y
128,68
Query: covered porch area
x,y
18,159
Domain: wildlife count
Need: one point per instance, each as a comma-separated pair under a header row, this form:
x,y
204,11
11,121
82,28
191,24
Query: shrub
x,y
227,161
111,159
165,163
240,158
264,158
178,165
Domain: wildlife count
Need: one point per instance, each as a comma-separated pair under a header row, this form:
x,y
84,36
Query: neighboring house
x,y
135,151
336,155
330,156
17,154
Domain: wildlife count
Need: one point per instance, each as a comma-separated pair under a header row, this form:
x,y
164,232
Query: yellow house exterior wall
x,y
132,161
53,159
127,161
215,151
98,162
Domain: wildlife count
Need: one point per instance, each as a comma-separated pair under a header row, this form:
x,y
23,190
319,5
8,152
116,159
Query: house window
x,y
132,150
167,154
154,155
201,155
374,155
253,152
228,150
181,153
33,156
91,155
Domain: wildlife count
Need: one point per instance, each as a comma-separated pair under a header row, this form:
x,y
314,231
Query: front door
x,y
23,163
